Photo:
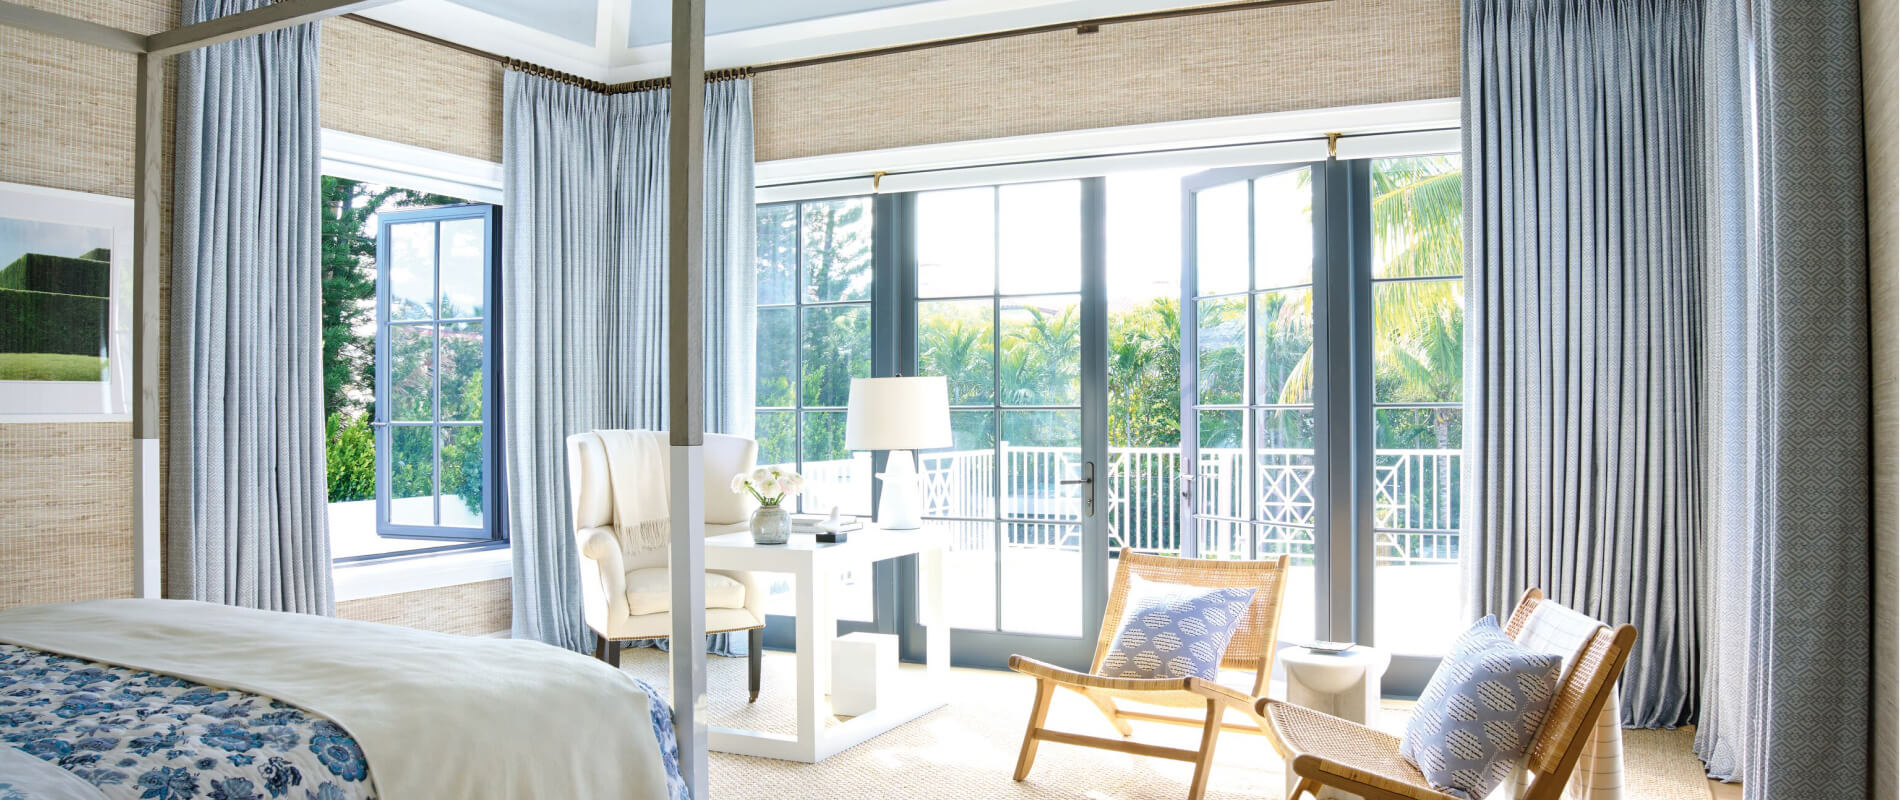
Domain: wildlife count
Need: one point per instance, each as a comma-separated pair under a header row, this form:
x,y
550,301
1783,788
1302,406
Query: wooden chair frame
x,y
1252,647
1327,751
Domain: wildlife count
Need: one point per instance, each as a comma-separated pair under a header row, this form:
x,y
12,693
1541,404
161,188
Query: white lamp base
x,y
900,506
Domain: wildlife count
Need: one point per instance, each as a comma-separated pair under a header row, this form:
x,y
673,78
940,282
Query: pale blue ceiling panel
x,y
651,18
573,20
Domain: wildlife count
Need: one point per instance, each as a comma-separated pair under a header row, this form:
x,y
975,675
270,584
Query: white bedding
x,y
437,716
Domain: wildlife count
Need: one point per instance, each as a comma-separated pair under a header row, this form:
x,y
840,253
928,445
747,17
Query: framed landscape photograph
x,y
65,305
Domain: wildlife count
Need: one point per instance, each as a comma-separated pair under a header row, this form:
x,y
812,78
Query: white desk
x,y
815,569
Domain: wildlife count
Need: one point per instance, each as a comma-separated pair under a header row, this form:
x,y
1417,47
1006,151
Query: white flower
x,y
759,476
738,483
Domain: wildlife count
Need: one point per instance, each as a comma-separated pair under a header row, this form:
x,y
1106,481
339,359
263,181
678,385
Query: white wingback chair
x,y
629,599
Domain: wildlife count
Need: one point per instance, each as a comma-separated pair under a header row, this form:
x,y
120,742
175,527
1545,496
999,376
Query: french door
x,y
1006,302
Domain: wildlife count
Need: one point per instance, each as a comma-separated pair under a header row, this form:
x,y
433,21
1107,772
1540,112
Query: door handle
x,y
1088,494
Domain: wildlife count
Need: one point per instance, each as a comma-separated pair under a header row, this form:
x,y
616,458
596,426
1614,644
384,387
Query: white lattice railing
x,y
1415,499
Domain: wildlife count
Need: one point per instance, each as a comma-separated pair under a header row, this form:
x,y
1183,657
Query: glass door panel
x,y
1417,402
1248,271
998,314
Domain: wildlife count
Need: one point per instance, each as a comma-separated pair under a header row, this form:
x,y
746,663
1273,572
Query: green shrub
x,y
50,367
43,322
350,450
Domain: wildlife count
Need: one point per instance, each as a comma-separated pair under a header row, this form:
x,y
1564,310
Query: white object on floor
x,y
815,568
1344,684
1562,631
863,665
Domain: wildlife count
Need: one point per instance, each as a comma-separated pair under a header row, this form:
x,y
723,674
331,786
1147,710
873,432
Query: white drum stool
x,y
1345,685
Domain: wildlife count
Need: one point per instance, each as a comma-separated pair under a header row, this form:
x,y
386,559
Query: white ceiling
x,y
615,41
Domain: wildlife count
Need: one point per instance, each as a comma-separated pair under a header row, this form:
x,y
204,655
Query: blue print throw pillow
x,y
1175,631
1480,712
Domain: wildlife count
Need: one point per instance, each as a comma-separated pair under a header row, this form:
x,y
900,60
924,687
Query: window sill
x,y
395,576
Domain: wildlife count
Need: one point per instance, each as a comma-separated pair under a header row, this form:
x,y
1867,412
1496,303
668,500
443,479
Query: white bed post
x,y
686,384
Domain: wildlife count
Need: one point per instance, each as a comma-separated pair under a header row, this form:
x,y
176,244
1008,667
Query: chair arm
x,y
600,546
1069,677
1229,695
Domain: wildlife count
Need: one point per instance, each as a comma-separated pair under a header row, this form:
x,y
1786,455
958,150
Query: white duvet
x,y
437,716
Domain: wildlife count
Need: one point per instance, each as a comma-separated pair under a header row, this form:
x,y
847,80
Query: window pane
x,y
462,350
462,476
1042,579
955,339
1042,351
412,271
1222,343
1220,477
412,373
1416,495
1285,346
1223,540
834,476
1298,617
1040,450
464,268
778,253
837,348
777,357
1220,238
956,243
1417,217
960,481
969,573
1283,229
1418,340
1040,238
777,435
837,237
412,474
1286,457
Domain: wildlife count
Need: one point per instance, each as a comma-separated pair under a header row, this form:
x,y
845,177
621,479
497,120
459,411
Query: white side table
x,y
1345,685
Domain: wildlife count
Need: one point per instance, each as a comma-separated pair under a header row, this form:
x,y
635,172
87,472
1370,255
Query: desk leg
x,y
815,628
936,628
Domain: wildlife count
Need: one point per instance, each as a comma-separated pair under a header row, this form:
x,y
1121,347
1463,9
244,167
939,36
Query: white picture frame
x,y
36,216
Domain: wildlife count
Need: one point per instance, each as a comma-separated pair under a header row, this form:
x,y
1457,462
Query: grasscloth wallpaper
x,y
1880,62
1345,52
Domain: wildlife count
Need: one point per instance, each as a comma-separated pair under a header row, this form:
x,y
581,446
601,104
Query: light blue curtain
x,y
584,304
1787,680
1583,242
246,517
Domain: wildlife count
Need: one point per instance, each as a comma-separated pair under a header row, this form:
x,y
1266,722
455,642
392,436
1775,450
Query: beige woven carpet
x,y
966,750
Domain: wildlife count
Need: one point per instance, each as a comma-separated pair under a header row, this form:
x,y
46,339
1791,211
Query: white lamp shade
x,y
898,414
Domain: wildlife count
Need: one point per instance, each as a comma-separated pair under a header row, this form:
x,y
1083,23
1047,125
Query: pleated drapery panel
x,y
248,494
1788,673
584,304
1583,290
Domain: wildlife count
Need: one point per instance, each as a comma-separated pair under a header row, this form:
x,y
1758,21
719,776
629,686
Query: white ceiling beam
x,y
250,23
70,28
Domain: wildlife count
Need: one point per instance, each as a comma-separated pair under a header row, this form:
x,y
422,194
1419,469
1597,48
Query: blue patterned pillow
x,y
1480,711
1174,631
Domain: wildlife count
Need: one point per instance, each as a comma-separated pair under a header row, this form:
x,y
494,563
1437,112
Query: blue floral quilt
x,y
135,734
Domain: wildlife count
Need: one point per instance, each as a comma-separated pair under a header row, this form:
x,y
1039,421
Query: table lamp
x,y
900,415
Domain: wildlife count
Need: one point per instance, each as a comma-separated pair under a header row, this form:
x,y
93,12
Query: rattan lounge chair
x,y
1324,750
1251,648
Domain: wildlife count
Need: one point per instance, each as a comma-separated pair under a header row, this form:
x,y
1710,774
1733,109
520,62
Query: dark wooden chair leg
x,y
600,647
613,654
755,660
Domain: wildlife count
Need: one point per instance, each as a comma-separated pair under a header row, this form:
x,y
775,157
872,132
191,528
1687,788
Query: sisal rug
x,y
966,750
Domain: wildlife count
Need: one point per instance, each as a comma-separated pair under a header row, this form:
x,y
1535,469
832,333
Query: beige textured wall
x,y
1880,56
65,489
474,609
1345,52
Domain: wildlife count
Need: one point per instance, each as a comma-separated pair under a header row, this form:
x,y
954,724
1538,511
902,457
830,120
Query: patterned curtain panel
x,y
584,304
1583,290
247,487
1787,669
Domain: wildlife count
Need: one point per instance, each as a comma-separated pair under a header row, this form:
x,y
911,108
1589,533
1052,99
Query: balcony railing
x,y
1415,500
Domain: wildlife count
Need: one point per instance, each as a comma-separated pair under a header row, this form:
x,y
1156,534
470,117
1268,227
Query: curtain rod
x,y
1086,26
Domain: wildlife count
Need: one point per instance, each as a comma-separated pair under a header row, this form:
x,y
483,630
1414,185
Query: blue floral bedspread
x,y
135,734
